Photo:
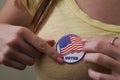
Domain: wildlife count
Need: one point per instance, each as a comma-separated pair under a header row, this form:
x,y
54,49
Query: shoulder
x,y
13,12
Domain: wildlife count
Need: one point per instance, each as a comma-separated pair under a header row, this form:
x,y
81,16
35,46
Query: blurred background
x,y
12,74
1,3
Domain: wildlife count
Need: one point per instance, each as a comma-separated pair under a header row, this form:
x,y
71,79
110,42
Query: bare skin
x,y
15,15
104,53
11,37
103,10
19,46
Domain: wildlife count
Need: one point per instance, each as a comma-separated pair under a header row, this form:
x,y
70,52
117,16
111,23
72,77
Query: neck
x,y
107,11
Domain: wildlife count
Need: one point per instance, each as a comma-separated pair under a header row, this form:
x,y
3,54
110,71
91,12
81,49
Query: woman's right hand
x,y
20,47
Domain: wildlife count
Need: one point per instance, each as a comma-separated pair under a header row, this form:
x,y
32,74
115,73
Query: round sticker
x,y
70,47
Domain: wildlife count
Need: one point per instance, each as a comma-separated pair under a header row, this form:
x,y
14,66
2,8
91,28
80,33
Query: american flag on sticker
x,y
70,44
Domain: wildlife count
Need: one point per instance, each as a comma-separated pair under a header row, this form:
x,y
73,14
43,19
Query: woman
x,y
68,17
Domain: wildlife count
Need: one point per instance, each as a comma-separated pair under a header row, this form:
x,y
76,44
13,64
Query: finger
x,y
99,76
14,64
22,46
21,58
27,49
103,60
102,45
42,46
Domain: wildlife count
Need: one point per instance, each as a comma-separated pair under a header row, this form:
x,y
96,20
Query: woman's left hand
x,y
104,51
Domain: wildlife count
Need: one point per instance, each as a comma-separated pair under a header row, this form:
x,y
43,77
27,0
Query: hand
x,y
105,54
20,47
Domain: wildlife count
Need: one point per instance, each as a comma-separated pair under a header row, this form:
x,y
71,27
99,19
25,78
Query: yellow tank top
x,y
68,18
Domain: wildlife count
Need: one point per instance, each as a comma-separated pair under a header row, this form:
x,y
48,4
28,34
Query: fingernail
x,y
51,42
60,60
86,57
84,40
82,49
90,71
89,57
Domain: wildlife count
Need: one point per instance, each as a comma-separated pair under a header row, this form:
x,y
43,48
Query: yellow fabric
x,y
94,23
67,18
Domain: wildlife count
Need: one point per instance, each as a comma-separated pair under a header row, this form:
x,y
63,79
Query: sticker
x,y
70,47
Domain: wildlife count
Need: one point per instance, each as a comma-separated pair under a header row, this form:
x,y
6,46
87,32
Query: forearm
x,y
13,14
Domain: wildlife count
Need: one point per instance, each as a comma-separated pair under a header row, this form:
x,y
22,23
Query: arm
x,y
14,13
19,46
